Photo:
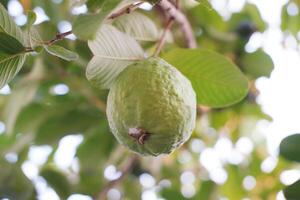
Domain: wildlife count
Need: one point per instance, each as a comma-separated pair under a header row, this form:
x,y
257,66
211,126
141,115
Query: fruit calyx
x,y
139,134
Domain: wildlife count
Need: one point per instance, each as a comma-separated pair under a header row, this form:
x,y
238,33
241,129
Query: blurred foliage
x,y
35,114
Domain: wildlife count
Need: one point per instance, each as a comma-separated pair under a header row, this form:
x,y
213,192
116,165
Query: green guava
x,y
151,107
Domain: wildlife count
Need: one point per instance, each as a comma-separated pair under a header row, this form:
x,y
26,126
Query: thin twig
x,y
127,169
58,37
169,25
162,40
126,10
180,18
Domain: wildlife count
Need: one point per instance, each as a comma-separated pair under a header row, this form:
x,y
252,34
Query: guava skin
x,y
154,97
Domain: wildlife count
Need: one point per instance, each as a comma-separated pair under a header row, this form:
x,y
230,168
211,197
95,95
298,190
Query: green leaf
x,y
14,184
292,192
9,66
96,147
9,44
64,123
8,25
57,180
138,26
257,64
289,148
113,51
22,95
61,52
206,191
216,81
205,3
31,18
86,26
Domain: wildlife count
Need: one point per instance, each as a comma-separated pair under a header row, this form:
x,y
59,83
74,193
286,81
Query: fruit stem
x,y
139,134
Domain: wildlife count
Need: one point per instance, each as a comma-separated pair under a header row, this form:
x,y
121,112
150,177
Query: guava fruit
x,y
151,107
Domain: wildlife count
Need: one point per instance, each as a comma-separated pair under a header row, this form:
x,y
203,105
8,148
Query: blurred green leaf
x,y
257,64
205,3
289,148
68,122
22,95
216,80
85,26
57,180
96,147
207,191
31,18
292,192
13,183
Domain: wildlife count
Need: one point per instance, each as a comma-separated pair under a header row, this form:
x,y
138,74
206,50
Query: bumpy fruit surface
x,y
151,107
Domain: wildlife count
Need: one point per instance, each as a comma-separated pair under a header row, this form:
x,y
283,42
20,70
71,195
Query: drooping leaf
x,y
10,45
216,80
9,66
113,51
86,26
139,26
289,148
61,52
257,64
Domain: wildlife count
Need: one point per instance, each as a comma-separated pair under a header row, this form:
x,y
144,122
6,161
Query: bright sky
x,y
279,98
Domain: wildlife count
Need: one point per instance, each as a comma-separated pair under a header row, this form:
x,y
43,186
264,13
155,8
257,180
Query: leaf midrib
x,y
120,58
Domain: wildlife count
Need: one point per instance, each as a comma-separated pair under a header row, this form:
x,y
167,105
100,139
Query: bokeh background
x,y
55,142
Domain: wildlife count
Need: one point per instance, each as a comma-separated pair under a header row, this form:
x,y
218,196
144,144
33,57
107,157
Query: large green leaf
x,y
292,192
10,45
216,81
139,26
289,148
257,64
86,25
113,51
9,66
11,55
8,25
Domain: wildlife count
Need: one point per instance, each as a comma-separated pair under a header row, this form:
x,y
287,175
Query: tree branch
x,y
163,37
59,36
180,18
126,10
127,169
